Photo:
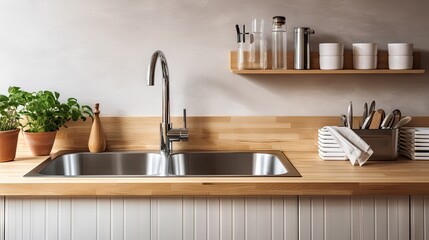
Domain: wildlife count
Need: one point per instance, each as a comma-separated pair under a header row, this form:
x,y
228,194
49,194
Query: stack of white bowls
x,y
400,56
364,56
331,56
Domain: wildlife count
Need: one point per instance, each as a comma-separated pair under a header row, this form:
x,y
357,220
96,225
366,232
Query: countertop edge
x,y
211,189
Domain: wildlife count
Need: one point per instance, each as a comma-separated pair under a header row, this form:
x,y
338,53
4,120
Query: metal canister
x,y
302,47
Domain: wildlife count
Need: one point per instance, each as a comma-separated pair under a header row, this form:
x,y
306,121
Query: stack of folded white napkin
x,y
414,143
356,149
329,149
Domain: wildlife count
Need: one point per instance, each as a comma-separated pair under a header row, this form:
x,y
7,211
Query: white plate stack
x,y
328,148
414,143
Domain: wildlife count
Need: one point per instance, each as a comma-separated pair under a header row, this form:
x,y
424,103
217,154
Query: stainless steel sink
x,y
101,164
152,164
231,164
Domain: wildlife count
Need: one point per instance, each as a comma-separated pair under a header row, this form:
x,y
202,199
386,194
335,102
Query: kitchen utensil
x,y
350,116
97,139
343,120
365,112
402,122
387,121
372,107
396,117
368,120
376,119
242,47
383,114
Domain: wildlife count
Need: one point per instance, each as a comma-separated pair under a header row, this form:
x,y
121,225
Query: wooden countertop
x,y
318,178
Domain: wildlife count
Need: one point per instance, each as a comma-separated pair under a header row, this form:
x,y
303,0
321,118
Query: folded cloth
x,y
356,149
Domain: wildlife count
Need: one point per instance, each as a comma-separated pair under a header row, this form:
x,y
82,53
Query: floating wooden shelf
x,y
382,64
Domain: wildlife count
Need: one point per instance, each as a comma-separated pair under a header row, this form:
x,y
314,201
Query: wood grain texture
x,y
382,65
296,136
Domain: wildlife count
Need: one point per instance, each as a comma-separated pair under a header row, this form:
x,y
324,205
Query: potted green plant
x,y
9,122
44,115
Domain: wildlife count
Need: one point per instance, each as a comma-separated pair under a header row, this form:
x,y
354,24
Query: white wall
x,y
97,51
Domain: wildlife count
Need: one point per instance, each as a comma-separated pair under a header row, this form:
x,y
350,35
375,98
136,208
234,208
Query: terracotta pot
x,y
8,143
40,144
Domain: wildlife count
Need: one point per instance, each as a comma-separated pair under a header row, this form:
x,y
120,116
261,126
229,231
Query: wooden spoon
x,y
376,119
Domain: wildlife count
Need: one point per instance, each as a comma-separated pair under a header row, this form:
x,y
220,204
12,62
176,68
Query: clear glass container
x,y
279,43
258,45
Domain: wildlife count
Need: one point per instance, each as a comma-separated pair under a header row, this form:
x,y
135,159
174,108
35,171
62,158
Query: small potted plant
x,y
44,115
9,122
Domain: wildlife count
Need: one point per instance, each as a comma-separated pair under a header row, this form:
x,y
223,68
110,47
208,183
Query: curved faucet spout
x,y
165,83
152,64
168,134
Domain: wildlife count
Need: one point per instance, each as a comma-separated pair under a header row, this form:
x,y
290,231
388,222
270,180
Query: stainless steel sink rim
x,y
268,168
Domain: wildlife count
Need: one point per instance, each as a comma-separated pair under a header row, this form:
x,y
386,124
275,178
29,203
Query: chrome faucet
x,y
168,133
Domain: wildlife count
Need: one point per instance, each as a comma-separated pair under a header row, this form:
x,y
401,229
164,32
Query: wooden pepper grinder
x,y
97,139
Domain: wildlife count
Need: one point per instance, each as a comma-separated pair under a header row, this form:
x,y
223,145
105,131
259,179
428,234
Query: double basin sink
x,y
155,164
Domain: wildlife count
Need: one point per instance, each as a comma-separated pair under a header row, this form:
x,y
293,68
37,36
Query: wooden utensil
x,y
376,119
97,139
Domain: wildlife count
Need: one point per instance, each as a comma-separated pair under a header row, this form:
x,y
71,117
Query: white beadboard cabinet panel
x,y
419,217
354,217
381,214
188,218
2,218
213,218
38,219
216,218
250,219
117,212
83,218
200,218
225,218
52,219
136,218
399,218
169,214
337,211
277,218
238,218
291,217
317,218
103,218
305,231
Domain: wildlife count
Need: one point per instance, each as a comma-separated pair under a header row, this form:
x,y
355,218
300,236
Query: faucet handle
x,y
184,118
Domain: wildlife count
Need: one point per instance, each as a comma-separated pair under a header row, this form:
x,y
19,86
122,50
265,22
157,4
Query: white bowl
x,y
365,62
400,49
400,62
331,49
364,49
331,62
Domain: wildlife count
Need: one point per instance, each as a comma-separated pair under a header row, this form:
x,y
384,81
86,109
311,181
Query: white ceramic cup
x,y
331,62
364,49
400,62
400,49
331,49
365,62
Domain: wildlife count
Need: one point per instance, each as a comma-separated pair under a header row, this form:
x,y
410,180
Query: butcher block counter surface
x,y
319,177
